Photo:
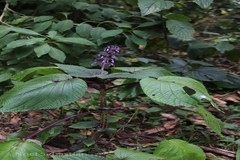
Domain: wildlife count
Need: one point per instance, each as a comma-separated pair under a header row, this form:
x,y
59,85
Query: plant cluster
x,y
63,40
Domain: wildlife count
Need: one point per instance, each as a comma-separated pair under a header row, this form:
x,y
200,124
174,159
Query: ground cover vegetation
x,y
114,80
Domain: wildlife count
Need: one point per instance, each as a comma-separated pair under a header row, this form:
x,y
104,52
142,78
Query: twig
x,y
56,123
219,151
3,13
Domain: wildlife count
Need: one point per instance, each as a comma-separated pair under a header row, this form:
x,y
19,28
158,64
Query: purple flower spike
x,y
108,57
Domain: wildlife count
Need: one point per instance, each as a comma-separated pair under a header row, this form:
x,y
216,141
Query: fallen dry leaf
x,y
169,116
171,124
221,100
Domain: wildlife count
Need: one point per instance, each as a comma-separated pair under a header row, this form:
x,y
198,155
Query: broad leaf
x,y
5,76
57,54
50,91
78,71
64,25
139,72
153,6
39,27
24,42
78,157
84,125
238,153
175,91
42,50
224,46
21,150
30,72
203,3
50,133
176,149
212,122
84,30
111,33
23,31
97,32
3,30
182,30
127,154
76,40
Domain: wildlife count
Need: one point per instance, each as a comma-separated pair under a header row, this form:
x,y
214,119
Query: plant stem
x,y
103,105
102,70
54,124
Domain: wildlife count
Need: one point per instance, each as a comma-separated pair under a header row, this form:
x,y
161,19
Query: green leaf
x,y
39,27
84,125
138,41
127,154
21,150
50,91
42,50
5,76
170,90
23,31
182,30
203,3
238,153
3,31
97,32
123,25
111,33
8,39
42,18
78,71
30,72
50,133
178,17
75,40
139,72
212,122
224,46
64,25
84,30
57,54
24,42
153,6
79,156
176,149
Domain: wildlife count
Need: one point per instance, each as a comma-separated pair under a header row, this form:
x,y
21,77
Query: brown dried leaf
x,y
154,130
222,100
170,124
169,116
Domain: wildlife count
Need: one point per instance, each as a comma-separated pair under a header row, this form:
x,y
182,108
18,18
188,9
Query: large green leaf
x,y
175,90
24,42
238,153
212,122
127,154
42,49
176,149
203,3
224,46
21,150
183,30
79,156
57,54
50,91
111,33
139,72
64,25
78,71
22,31
30,72
153,6
84,30
75,40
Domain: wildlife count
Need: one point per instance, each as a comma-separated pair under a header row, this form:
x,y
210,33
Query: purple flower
x,y
108,57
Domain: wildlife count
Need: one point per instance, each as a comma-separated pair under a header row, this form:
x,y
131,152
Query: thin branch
x,y
219,151
55,123
3,13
